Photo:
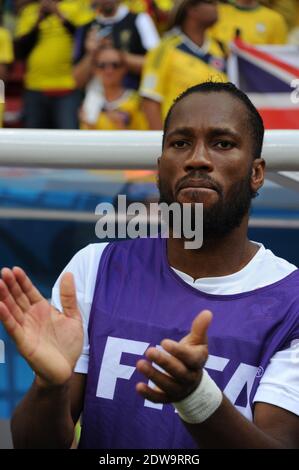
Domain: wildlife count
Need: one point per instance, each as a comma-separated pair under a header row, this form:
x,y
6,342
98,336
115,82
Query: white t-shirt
x,y
280,383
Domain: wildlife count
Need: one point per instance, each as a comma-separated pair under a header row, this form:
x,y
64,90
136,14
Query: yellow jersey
x,y
128,107
259,25
49,64
6,48
177,64
6,57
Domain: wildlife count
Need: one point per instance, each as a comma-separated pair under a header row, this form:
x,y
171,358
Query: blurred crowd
x,y
111,64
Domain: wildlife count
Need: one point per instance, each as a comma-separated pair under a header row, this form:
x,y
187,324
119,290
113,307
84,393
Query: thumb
x,y
199,329
68,296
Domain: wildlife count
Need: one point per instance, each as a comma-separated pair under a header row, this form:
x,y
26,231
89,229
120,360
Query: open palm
x,y
49,340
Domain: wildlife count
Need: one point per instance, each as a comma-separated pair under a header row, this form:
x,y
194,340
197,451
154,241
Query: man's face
x,y
207,158
106,7
206,12
110,67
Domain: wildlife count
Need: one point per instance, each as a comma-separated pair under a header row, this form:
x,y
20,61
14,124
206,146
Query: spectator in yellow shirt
x,y
45,41
253,22
185,58
6,58
108,105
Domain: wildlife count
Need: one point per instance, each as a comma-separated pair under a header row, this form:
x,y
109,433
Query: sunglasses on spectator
x,y
106,65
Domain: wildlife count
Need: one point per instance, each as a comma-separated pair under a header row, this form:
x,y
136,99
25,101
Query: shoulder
x,y
89,255
76,12
163,51
143,17
84,265
225,9
271,15
278,264
271,270
269,12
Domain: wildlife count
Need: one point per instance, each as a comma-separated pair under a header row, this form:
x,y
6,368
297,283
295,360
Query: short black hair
x,y
255,121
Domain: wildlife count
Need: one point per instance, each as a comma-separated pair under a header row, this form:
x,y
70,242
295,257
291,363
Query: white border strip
x,y
87,217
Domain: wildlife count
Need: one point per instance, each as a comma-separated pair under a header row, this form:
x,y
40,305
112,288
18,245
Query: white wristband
x,y
202,403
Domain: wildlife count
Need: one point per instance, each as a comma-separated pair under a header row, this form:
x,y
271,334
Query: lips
x,y
200,184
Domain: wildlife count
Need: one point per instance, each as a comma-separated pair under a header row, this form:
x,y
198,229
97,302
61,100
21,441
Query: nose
x,y
199,159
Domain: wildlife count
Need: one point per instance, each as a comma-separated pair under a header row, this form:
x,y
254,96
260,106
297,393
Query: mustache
x,y
200,178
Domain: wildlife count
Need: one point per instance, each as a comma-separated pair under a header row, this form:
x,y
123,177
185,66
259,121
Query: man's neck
x,y
113,93
221,257
197,35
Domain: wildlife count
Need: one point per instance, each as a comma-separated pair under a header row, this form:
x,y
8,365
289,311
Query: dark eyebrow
x,y
221,131
213,132
183,131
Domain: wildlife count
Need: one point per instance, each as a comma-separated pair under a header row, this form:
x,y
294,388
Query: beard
x,y
222,217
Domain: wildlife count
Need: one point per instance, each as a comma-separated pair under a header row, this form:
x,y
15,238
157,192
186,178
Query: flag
x,y
269,75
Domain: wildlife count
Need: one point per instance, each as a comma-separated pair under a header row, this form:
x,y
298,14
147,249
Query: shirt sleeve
x,y
6,48
84,267
26,21
77,14
279,385
154,71
147,30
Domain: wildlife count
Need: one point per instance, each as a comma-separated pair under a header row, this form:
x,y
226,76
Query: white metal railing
x,y
118,149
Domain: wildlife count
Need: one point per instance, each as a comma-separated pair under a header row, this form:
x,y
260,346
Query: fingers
x,y
169,363
199,329
9,302
26,285
173,364
152,394
10,324
14,289
163,381
176,379
181,363
193,357
68,296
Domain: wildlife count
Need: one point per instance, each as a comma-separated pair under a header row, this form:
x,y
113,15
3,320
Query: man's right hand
x,y
93,42
49,340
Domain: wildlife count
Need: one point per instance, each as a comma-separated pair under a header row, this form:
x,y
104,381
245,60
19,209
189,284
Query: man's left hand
x,y
182,364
